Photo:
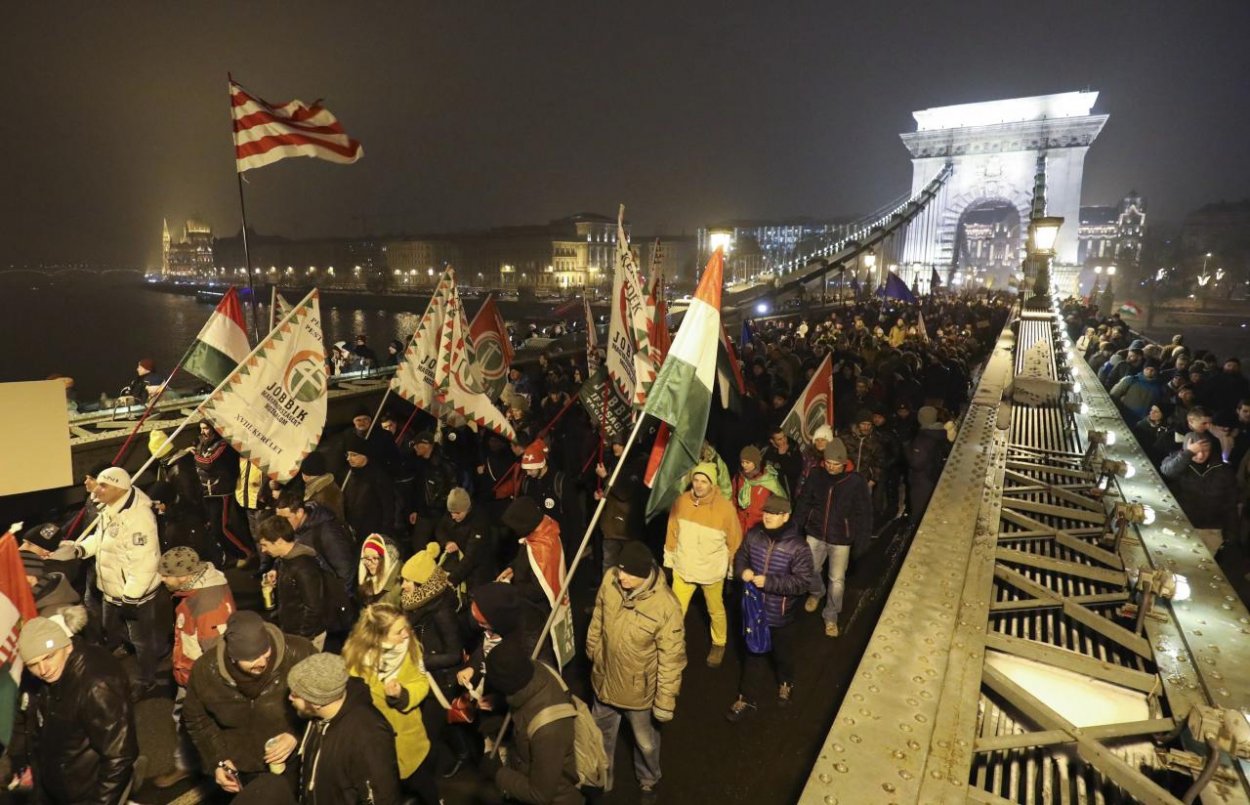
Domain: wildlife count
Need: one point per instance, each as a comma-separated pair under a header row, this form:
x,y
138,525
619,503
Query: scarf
x,y
434,586
391,659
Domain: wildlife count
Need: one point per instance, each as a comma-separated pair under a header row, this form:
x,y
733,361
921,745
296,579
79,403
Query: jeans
x,y
838,556
713,597
136,624
756,674
646,740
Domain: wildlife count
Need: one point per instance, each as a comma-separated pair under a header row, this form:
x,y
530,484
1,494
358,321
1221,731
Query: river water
x,y
96,332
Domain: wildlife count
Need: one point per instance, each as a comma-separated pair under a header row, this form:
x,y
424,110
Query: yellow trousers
x,y
713,597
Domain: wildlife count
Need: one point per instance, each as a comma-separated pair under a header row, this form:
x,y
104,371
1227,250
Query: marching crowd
x,y
1189,410
408,575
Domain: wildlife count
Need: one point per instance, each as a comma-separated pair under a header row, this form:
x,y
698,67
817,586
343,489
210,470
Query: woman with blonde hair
x,y
382,651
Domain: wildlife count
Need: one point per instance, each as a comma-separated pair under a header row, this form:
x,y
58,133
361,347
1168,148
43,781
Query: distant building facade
x,y
190,257
757,246
1112,234
346,263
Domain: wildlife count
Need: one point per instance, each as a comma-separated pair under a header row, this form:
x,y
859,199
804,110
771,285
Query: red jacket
x,y
200,619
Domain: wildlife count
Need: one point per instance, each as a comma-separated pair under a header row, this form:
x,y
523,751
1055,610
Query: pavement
x,y
764,759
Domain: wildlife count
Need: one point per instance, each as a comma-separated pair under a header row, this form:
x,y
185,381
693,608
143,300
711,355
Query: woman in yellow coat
x,y
382,651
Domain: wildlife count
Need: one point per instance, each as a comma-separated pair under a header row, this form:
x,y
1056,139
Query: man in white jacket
x,y
127,552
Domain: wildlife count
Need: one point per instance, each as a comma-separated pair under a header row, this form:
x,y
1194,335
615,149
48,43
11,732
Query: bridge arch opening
x,y
989,237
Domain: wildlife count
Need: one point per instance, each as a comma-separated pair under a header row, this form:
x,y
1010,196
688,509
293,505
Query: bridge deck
x,y
999,671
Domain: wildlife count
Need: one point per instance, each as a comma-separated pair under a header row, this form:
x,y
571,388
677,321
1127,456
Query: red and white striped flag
x,y
265,133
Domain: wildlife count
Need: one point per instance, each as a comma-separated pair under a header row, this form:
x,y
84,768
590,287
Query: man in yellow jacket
x,y
637,645
703,535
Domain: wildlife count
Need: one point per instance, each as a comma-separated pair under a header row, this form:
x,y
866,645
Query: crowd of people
x,y
407,575
1189,410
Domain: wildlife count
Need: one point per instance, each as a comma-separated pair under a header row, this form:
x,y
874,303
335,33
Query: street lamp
x,y
1043,232
870,262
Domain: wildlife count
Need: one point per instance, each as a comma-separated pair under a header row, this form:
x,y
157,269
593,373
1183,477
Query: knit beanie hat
x,y
458,500
752,454
835,451
522,516
159,444
148,364
179,561
320,679
114,476
45,535
926,416
706,469
863,415
420,567
509,667
500,605
535,455
41,636
355,443
313,464
636,559
823,432
246,637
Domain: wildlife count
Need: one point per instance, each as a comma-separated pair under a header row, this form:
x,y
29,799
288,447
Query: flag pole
x,y
577,559
373,423
247,261
273,304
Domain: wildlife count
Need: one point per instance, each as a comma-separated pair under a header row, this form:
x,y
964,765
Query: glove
x,y
489,766
661,715
66,551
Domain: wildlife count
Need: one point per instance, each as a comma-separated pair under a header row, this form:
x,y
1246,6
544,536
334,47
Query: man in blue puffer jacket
x,y
775,559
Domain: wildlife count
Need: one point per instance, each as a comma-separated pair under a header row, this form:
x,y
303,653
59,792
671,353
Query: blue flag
x,y
895,288
935,281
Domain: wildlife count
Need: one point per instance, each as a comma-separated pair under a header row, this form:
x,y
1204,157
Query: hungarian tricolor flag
x,y
814,406
545,552
492,350
682,392
265,133
222,344
17,605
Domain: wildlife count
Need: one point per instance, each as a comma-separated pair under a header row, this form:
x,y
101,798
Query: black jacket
x,y
331,540
350,758
301,599
835,508
429,481
1206,492
474,562
369,502
227,724
437,629
80,731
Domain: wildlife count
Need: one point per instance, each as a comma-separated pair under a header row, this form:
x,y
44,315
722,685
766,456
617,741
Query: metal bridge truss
x,y
1029,651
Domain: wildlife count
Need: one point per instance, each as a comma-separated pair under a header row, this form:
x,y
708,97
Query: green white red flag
x,y
814,407
272,407
17,605
222,343
682,393
629,361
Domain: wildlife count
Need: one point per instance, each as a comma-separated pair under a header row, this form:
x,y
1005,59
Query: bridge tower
x,y
994,147
165,241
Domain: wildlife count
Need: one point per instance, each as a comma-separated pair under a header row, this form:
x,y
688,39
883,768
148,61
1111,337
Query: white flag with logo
x,y
272,407
414,377
458,381
629,359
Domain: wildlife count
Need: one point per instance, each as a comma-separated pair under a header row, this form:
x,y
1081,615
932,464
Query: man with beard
x,y
79,731
236,710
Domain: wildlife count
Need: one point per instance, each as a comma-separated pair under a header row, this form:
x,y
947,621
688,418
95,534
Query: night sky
x,y
476,114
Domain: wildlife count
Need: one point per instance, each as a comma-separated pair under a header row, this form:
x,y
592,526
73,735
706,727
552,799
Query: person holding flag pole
x,y
681,395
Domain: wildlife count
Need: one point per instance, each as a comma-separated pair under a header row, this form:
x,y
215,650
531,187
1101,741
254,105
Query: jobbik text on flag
x,y
630,364
272,407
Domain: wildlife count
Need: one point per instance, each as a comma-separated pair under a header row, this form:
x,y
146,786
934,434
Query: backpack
x,y
336,606
592,760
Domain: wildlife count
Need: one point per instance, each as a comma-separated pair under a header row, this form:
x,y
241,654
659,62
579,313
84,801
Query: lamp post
x,y
870,263
1043,232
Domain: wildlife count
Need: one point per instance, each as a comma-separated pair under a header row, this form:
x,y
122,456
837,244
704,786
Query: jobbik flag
x,y
682,393
814,406
456,377
272,407
492,351
414,377
630,364
265,132
222,343
604,406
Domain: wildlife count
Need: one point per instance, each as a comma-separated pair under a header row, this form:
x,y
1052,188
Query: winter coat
x,y
214,467
835,508
402,712
226,724
436,628
301,599
637,644
868,454
545,771
1136,394
1206,492
369,503
430,479
127,550
80,730
786,565
390,588
332,542
1155,439
323,491
200,619
789,466
750,494
350,758
702,537
925,456
474,562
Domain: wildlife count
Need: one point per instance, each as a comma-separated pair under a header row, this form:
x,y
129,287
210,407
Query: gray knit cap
x,y
319,679
41,636
179,561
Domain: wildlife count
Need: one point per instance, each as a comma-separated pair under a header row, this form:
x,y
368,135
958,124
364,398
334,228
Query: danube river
x,y
96,332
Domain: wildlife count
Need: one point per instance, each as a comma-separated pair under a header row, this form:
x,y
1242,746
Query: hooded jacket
x,y
637,644
127,550
82,742
388,591
322,490
301,598
785,562
402,712
350,758
751,493
702,534
331,540
200,619
226,724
